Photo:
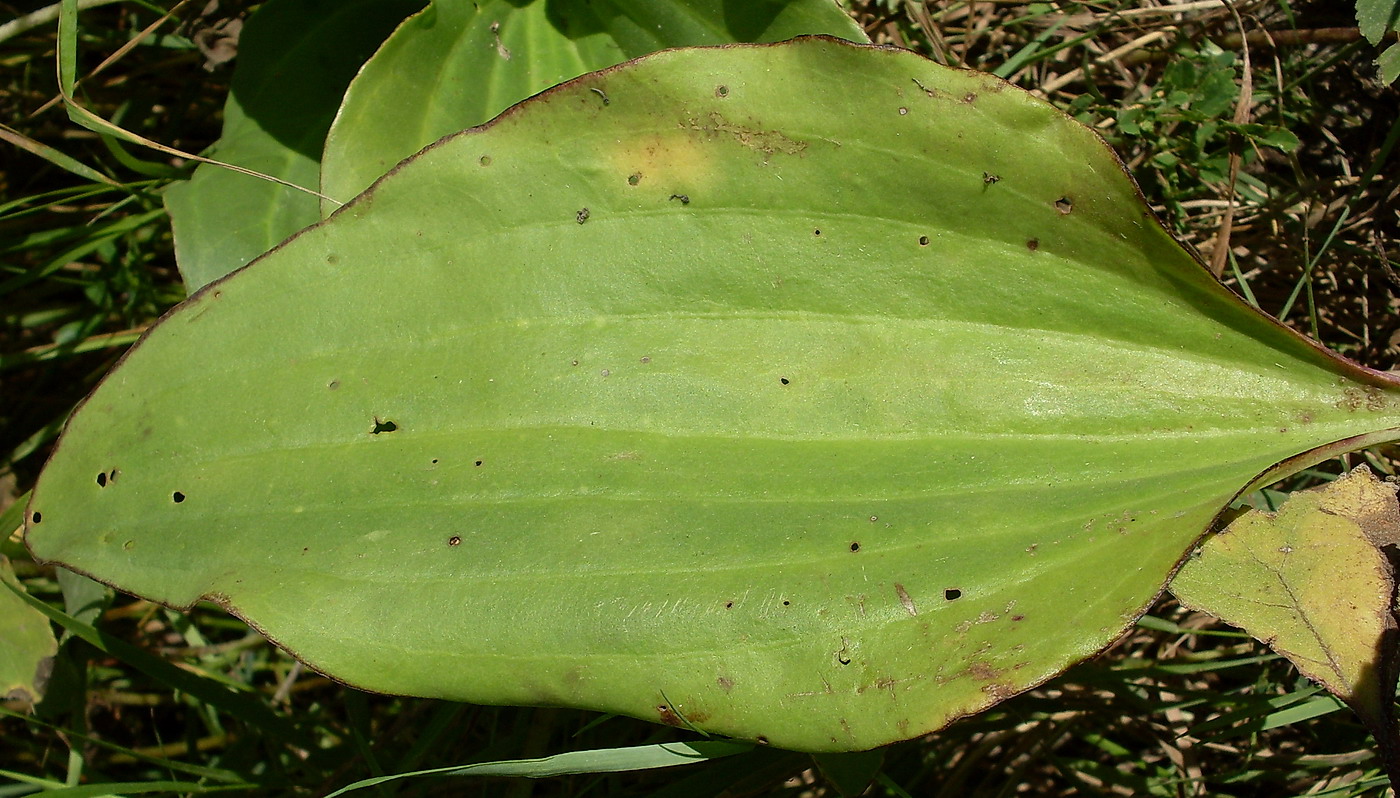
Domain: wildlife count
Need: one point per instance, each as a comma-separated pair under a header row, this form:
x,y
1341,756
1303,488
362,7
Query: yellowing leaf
x,y
27,645
1311,583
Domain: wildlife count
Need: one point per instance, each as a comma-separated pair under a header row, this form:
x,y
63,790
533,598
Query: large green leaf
x,y
295,59
460,63
809,393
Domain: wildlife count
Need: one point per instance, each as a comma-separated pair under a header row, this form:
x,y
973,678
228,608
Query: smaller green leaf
x,y
1389,62
295,59
1376,17
1311,582
1279,138
83,598
606,760
27,644
458,64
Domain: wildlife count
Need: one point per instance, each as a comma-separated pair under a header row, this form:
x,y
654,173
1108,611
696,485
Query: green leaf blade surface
x,y
808,393
458,64
297,57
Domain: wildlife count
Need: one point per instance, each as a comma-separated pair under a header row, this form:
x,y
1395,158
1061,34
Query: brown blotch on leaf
x,y
983,671
668,716
1033,244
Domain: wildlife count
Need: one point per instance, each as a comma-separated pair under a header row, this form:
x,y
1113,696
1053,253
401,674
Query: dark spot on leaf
x,y
816,233
988,178
684,198
218,294
784,380
668,715
35,517
725,683
383,425
484,160
455,540
333,384
855,545
1033,244
582,215
923,241
1018,617
721,91
129,545
729,605
102,479
1064,205
332,259
952,594
634,178
787,603
761,740
646,359
177,497
970,97
435,461
478,462
903,111
842,657
573,363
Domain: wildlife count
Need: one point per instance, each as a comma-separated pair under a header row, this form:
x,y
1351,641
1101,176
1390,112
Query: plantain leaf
x,y
459,63
295,59
1312,583
27,644
809,393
